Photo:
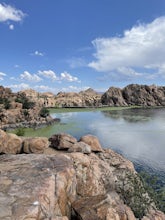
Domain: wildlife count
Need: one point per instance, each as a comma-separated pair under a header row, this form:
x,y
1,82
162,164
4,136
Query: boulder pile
x,y
66,179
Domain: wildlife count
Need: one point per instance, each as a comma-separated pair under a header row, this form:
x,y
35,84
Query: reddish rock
x,y
36,187
93,142
10,143
62,141
80,147
102,207
35,145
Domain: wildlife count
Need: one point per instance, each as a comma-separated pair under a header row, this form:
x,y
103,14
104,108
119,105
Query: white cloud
x,y
30,77
20,86
140,47
37,53
74,89
43,88
50,74
8,12
68,77
2,75
11,27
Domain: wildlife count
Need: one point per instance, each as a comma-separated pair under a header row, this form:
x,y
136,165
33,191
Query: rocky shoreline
x,y
62,178
30,124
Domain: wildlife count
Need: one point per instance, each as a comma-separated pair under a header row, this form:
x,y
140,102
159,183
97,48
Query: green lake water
x,y
138,134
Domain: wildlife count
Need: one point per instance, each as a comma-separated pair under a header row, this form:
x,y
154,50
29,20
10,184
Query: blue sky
x,y
70,45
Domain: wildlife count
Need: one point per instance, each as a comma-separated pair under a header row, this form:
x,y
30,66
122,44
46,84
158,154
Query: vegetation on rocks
x,y
20,132
154,188
5,102
44,112
26,104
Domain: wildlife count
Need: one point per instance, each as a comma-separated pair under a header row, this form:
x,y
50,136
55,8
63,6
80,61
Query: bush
x,y
44,112
154,188
26,104
134,194
20,132
5,102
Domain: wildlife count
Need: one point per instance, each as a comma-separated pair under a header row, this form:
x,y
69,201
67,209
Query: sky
x,y
71,45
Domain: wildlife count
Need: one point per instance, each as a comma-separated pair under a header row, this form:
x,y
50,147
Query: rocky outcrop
x,y
90,98
113,97
87,98
36,187
72,185
23,109
46,99
70,99
134,94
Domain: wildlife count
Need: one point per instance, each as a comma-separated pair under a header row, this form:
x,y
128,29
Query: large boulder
x,y
36,187
62,141
99,207
75,185
93,142
113,97
10,143
80,147
35,145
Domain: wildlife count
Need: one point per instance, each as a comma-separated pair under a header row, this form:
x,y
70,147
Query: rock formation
x,y
61,184
87,98
46,99
134,94
23,109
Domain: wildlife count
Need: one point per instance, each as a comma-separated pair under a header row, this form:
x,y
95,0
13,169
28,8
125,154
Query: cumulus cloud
x,y
30,77
50,74
74,88
37,53
140,47
2,75
8,12
20,86
43,88
68,77
11,27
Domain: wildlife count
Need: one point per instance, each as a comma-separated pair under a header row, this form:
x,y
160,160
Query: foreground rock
x,y
62,141
72,186
93,142
36,187
35,145
10,143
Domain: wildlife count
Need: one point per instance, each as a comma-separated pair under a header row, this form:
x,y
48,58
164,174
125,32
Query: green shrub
x,y
5,102
155,189
20,132
26,104
134,194
44,112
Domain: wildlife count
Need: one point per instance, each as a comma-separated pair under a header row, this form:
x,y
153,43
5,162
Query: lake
x,y
138,134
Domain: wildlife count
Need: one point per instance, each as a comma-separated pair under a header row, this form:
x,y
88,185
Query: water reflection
x,y
137,133
131,115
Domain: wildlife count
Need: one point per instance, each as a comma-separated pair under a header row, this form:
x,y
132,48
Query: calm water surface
x,y
138,134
